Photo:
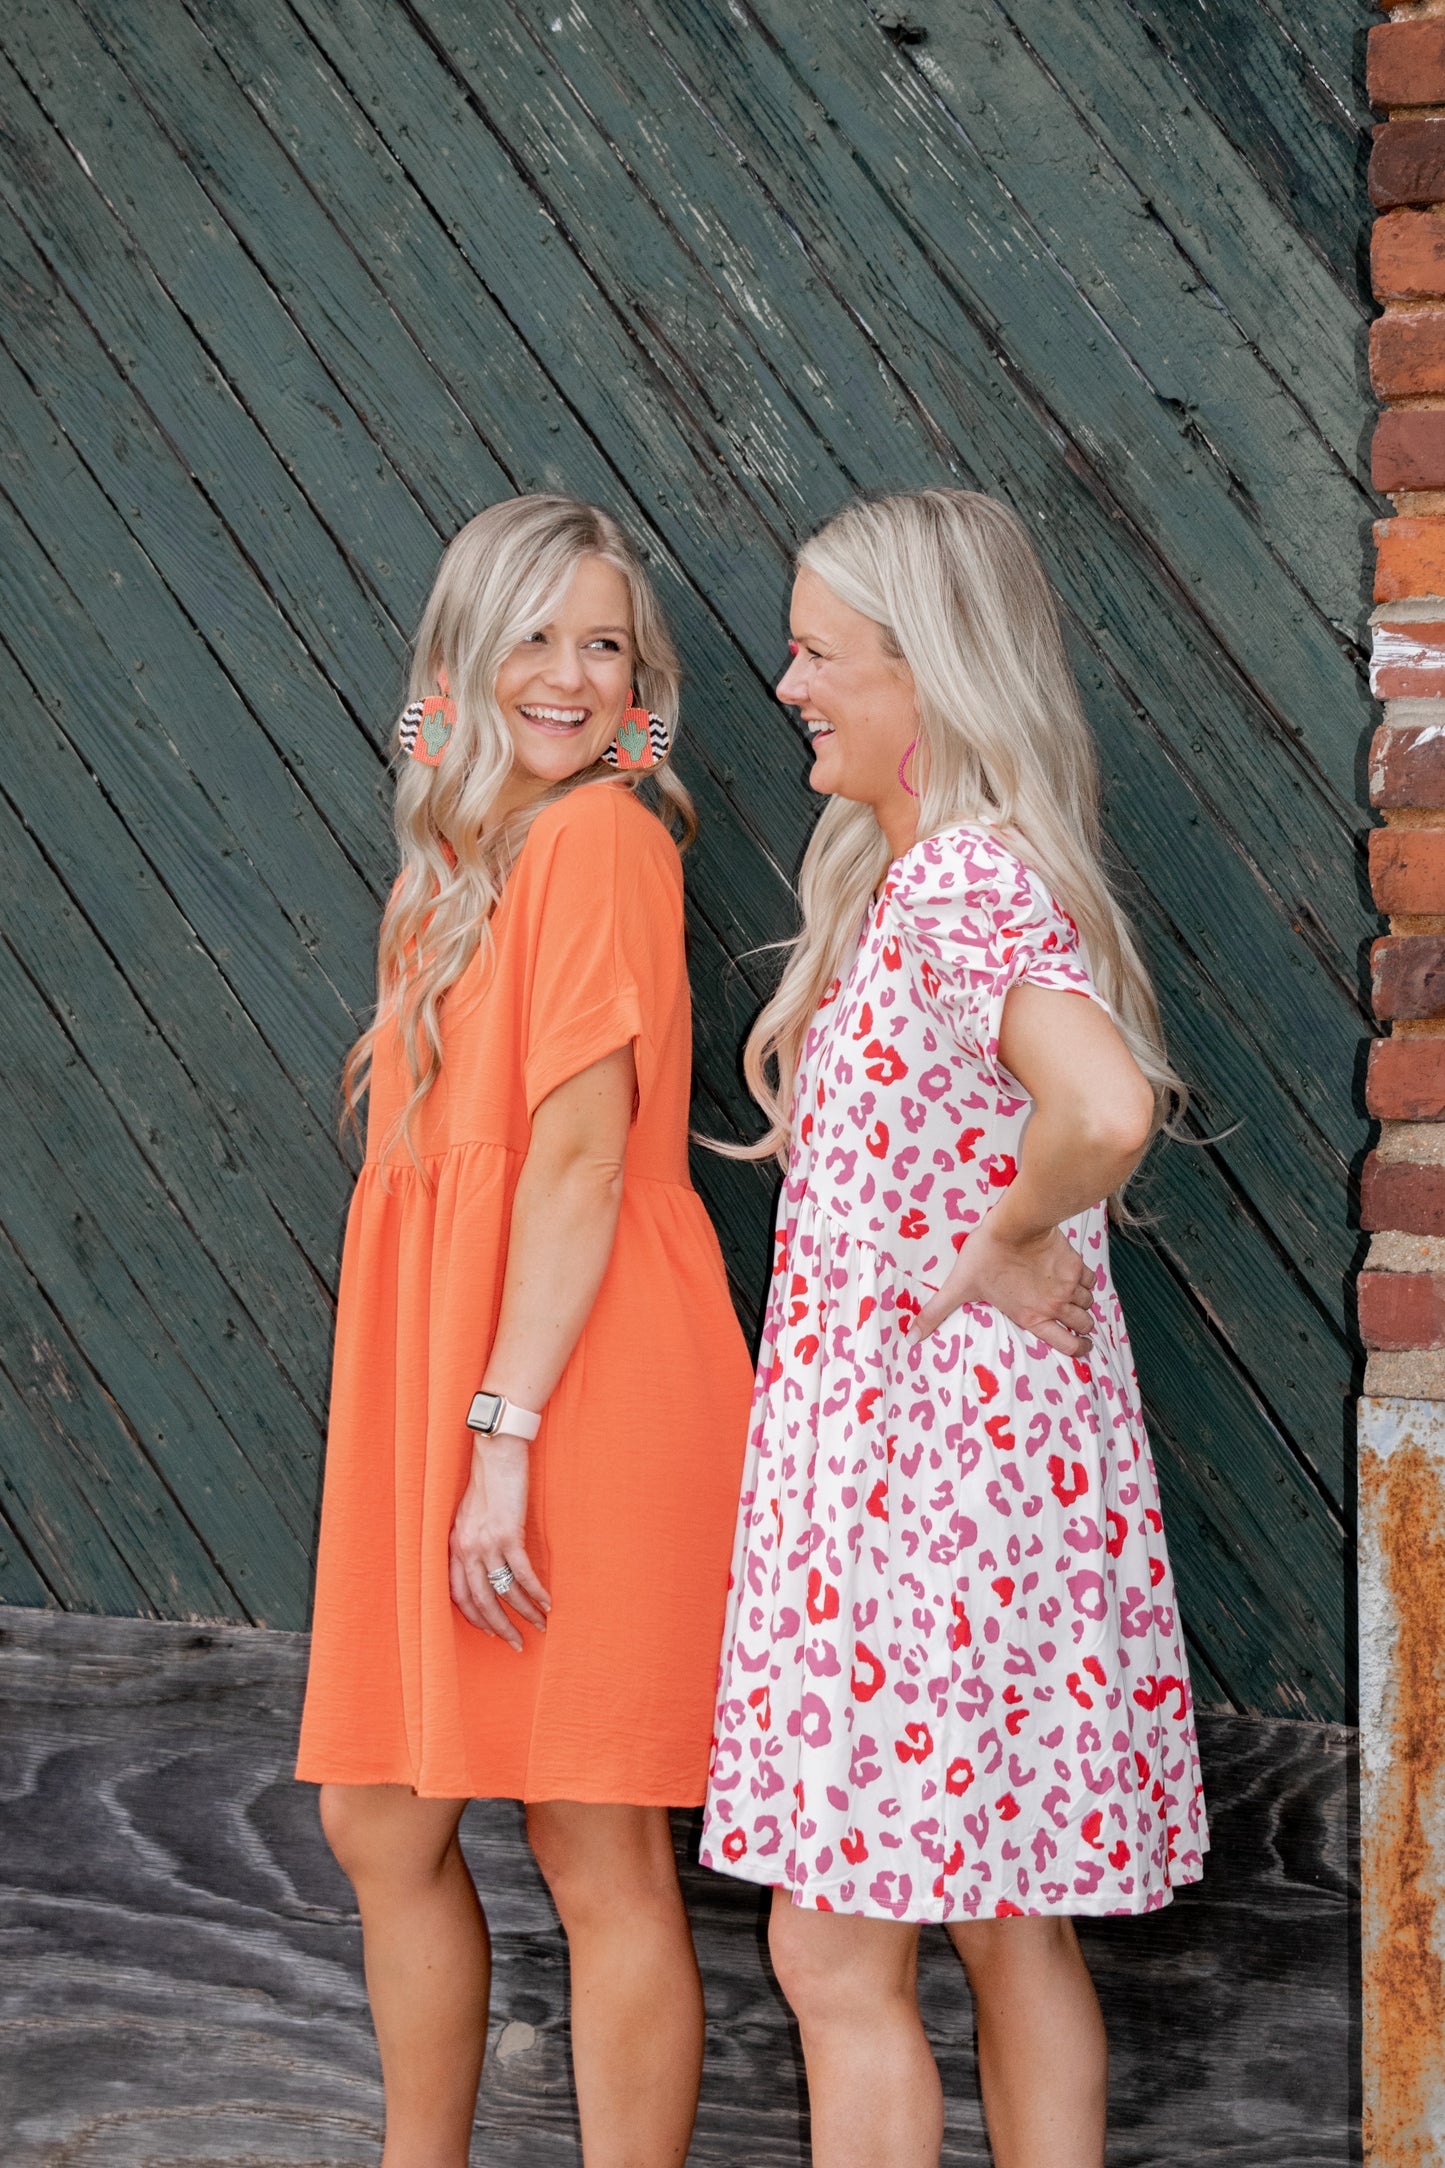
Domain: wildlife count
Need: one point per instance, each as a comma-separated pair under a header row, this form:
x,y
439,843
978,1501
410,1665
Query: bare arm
x,y
564,1221
1093,1115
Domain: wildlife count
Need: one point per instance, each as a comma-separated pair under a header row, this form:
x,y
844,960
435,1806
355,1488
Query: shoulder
x,y
963,868
599,849
969,886
604,825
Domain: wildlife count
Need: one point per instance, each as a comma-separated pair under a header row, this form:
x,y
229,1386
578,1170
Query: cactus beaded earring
x,y
642,739
426,726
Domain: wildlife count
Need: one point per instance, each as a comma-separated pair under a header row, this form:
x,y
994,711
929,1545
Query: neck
x,y
519,789
897,816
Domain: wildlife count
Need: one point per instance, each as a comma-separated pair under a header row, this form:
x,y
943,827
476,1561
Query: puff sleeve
x,y
980,921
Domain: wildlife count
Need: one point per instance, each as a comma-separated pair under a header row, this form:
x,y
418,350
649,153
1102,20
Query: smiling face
x,y
857,703
564,687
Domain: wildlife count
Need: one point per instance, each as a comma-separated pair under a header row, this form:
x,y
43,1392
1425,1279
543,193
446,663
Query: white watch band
x,y
493,1415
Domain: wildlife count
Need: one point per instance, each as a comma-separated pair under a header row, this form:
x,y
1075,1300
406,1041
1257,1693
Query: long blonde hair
x,y
500,578
954,582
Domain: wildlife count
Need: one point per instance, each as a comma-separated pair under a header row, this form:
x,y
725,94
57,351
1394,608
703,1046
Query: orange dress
x,y
635,1473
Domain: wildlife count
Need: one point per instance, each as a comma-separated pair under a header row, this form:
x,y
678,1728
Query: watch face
x,y
485,1412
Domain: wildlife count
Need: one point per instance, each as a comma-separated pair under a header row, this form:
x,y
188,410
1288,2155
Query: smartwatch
x,y
492,1413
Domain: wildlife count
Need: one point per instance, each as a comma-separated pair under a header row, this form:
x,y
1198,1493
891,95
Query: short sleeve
x,y
604,905
979,921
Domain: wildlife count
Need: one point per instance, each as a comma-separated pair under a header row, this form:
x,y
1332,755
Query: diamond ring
x,y
501,1579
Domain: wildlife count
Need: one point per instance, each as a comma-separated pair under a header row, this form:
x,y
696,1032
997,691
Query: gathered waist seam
x,y
512,1151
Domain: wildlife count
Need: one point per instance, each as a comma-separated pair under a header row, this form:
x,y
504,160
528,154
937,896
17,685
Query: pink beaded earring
x,y
903,767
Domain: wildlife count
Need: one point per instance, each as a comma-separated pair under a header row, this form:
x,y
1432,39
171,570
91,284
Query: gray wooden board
x,y
1199,884
164,1114
988,271
183,1985
1210,200
266,63
1290,121
582,205
269,337
93,1510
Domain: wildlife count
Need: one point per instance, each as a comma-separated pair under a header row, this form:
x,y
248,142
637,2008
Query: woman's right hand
x,y
488,1533
1040,1283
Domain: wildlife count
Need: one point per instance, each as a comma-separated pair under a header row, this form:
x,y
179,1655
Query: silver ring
x,y
501,1579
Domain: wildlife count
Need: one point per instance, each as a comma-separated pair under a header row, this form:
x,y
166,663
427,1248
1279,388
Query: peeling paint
x,y
1402,1731
1405,662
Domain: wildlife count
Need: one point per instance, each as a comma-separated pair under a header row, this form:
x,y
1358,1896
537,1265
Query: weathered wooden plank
x,y
376,356
983,263
327,290
153,495
1305,324
1247,71
196,259
748,833
165,1116
95,1514
188,837
321,580
1296,1355
20,1582
184,1979
1332,41
470,210
49,1087
253,1116
102,1241
289,846
1235,410
1258,1555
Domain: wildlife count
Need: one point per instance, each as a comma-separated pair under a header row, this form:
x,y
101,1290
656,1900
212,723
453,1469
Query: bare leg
x,y
428,1962
1043,2059
873,2085
636,1994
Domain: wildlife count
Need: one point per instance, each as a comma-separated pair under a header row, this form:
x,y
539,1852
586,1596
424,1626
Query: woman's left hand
x,y
489,1533
1042,1285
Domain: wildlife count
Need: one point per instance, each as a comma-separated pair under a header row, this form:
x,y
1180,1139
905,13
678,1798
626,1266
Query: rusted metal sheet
x,y
1402,1779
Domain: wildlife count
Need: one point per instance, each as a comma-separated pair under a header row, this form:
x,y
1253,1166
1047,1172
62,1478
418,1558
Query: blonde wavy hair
x,y
500,578
957,588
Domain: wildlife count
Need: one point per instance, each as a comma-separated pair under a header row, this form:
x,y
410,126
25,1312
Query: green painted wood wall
x,y
292,290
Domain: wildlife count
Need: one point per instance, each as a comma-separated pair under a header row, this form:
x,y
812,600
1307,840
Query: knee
x,y
345,1825
824,1985
604,1863
383,1832
997,1954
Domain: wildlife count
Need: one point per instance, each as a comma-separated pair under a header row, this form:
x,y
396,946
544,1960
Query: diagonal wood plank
x,y
1309,150
72,1159
20,1581
1305,323
232,1220
142,767
983,257
159,352
1235,410
251,1113
470,209
92,1508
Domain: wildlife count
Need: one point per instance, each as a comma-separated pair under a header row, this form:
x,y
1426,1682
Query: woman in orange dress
x,y
531,1607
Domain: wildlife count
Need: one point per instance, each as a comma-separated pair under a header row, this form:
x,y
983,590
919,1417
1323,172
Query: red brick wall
x,y
1402,1289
